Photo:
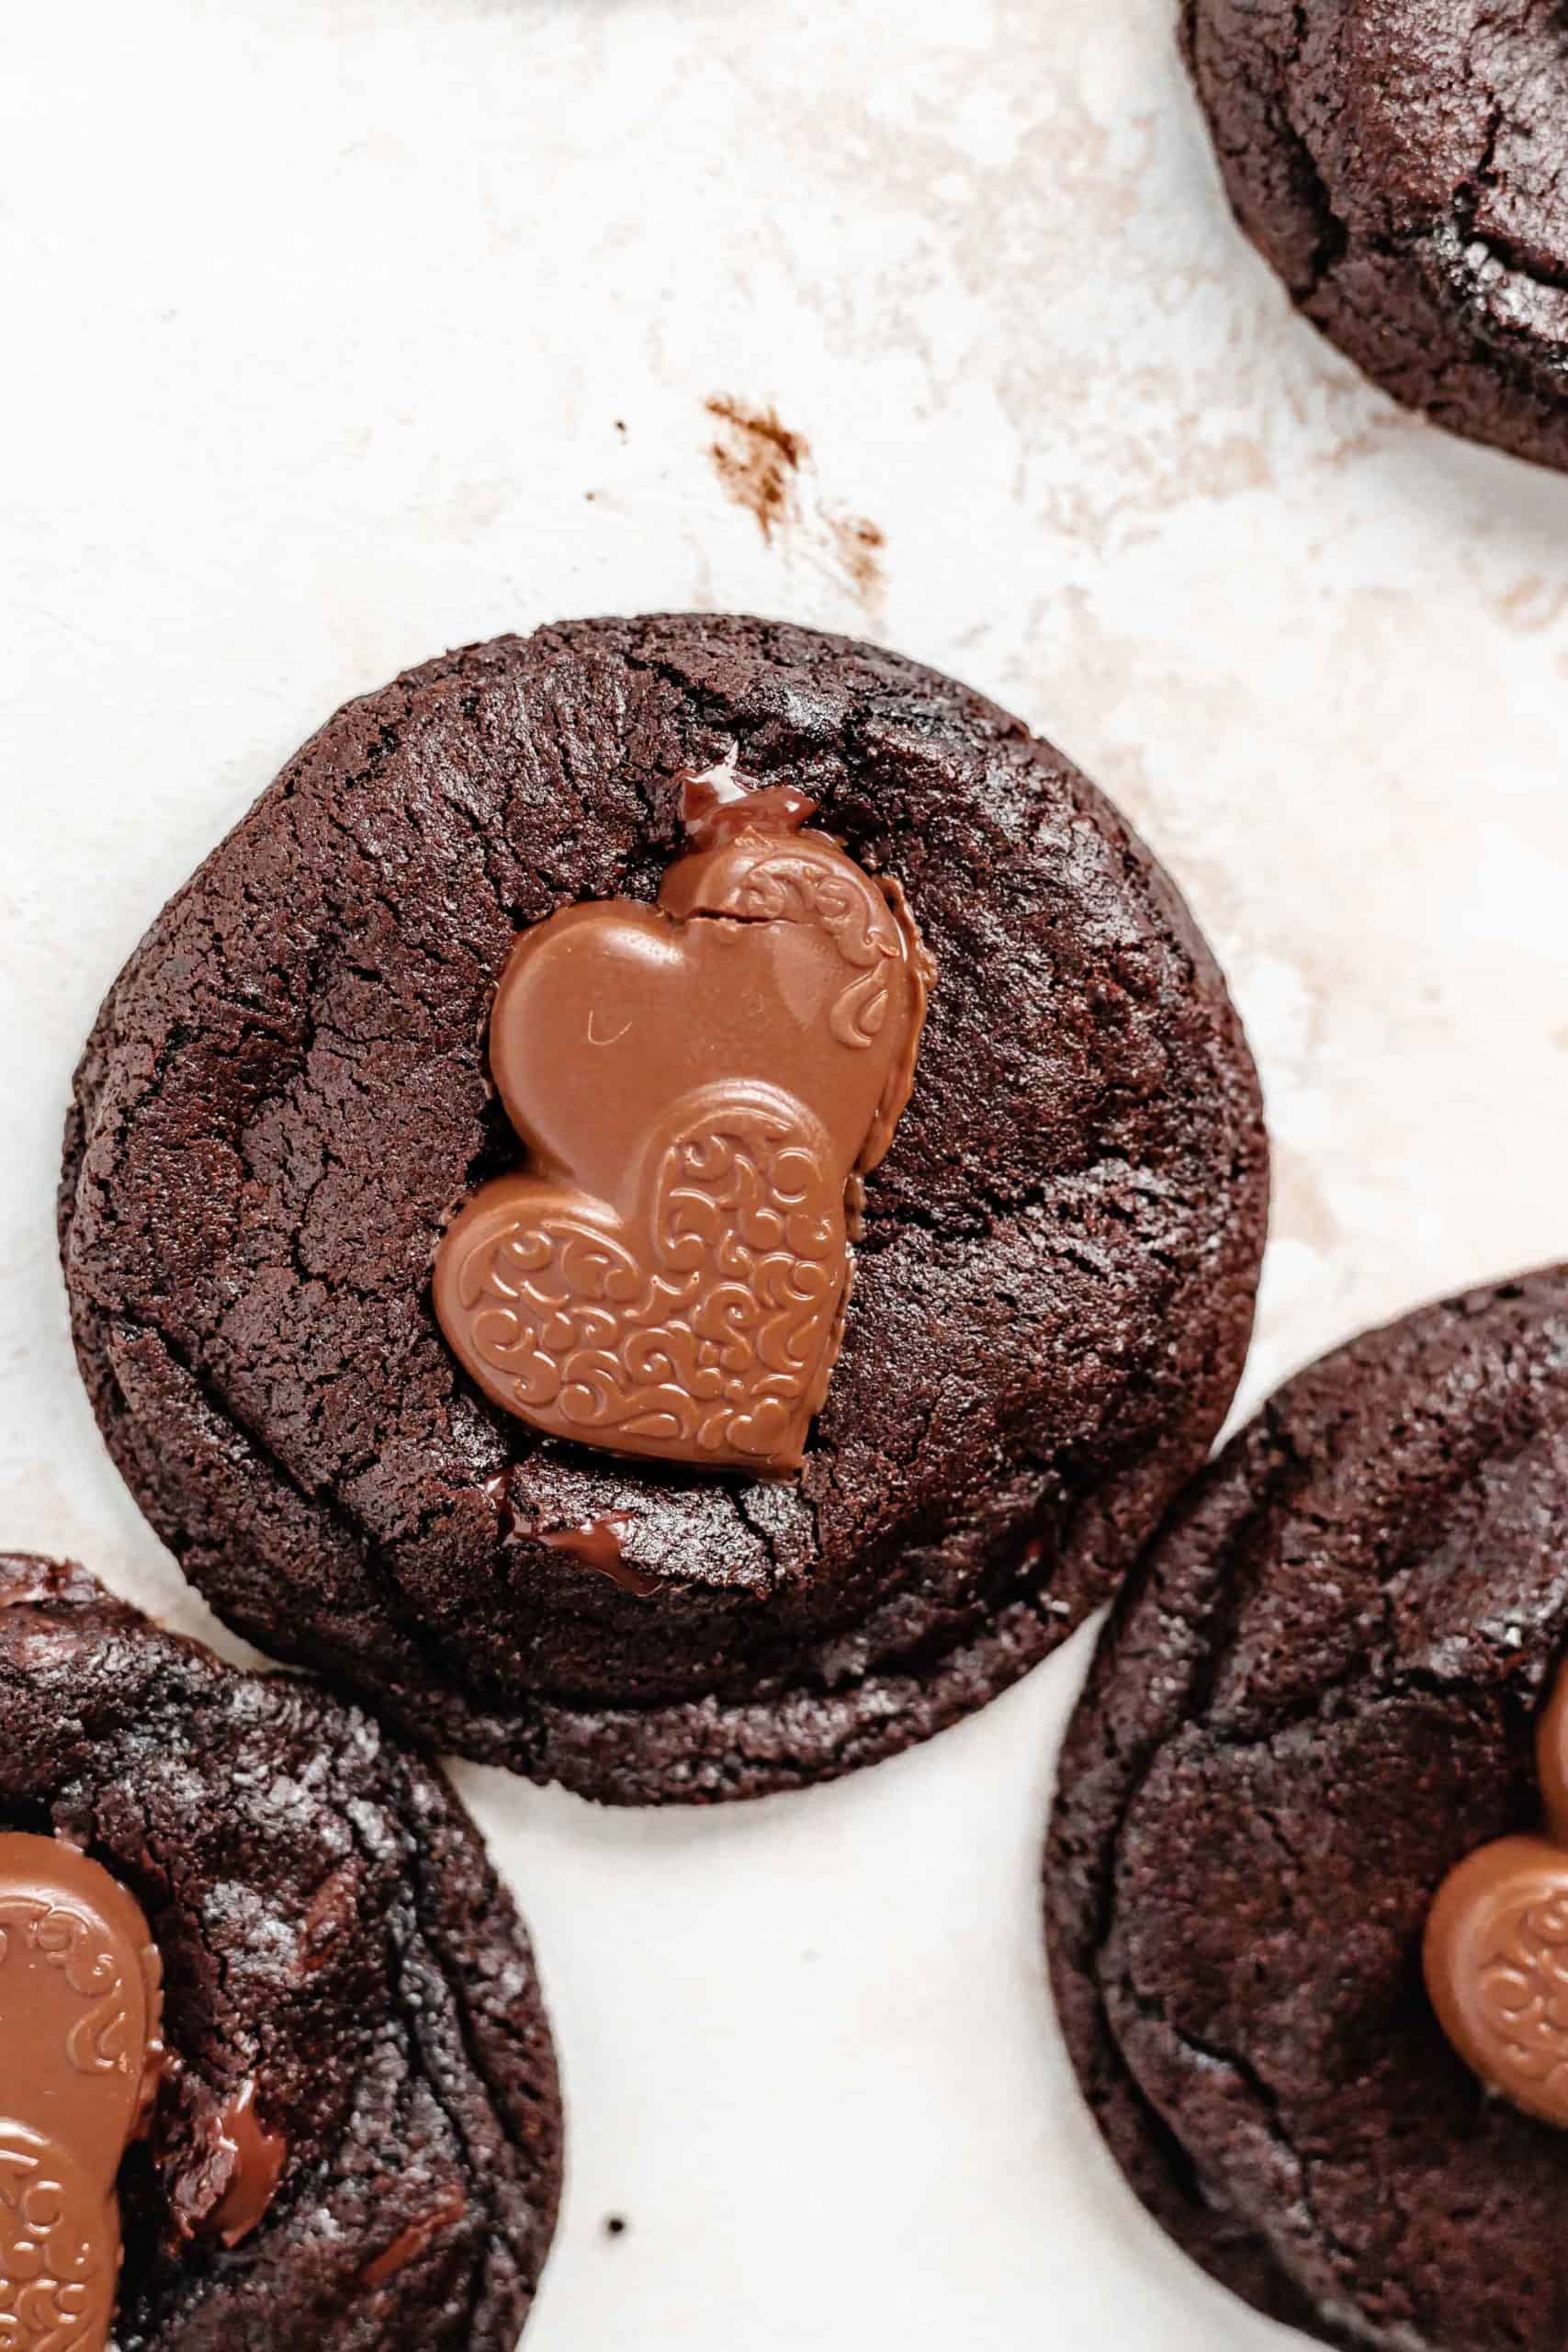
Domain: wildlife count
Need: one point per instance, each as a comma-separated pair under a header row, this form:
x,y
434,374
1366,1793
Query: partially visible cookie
x,y
1319,1698
1403,165
351,2130
402,1142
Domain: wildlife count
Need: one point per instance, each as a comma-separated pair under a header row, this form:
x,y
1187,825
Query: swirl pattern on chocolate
x,y
670,1275
719,1347
59,2255
79,2004
1522,1991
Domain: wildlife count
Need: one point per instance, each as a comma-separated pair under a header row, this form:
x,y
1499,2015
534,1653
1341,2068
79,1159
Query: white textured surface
x,y
320,317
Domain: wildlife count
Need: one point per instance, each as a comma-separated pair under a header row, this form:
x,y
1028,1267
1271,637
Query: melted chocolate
x,y
81,2005
716,808
258,2157
328,1919
410,2244
597,1544
701,1086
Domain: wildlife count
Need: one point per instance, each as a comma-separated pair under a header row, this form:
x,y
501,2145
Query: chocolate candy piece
x,y
80,2008
701,1085
1497,1945
1496,1957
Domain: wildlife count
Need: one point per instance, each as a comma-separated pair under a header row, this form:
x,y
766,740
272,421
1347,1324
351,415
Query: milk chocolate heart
x,y
700,1085
80,2008
1496,1946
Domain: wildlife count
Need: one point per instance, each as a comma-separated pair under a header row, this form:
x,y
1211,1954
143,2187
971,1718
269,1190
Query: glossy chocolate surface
x,y
700,1085
80,2011
256,2159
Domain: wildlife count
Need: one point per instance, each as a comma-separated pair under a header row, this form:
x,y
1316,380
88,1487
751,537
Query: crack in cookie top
x,y
701,1086
80,2004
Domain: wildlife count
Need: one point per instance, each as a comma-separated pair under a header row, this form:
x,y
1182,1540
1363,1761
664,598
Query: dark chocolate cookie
x,y
1403,165
1317,1698
288,1099
352,2138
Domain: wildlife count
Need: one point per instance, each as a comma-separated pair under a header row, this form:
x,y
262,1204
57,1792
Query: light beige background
x,y
340,331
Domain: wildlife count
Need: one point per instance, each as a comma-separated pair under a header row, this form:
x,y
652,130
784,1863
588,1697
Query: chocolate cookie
x,y
1312,1718
1403,165
703,874
246,1937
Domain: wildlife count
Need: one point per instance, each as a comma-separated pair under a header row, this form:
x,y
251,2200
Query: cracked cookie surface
x,y
1403,165
1316,1697
356,2140
286,1098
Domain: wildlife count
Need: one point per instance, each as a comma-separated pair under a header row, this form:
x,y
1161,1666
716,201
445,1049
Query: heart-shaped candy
x,y
699,1085
81,2004
1497,1945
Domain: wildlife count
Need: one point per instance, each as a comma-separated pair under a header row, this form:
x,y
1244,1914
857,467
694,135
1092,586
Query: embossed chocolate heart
x,y
699,1085
80,2009
1497,1945
1497,1969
